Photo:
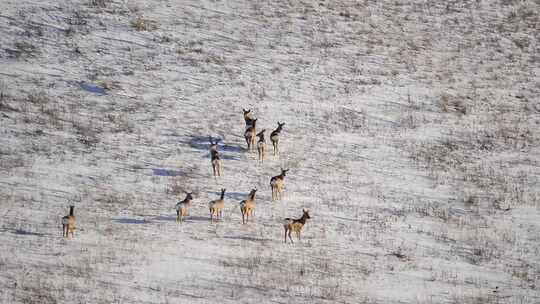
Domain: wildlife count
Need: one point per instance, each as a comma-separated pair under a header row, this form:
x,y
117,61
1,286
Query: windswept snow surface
x,y
411,136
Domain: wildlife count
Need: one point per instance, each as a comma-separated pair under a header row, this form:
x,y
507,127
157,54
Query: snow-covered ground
x,y
411,136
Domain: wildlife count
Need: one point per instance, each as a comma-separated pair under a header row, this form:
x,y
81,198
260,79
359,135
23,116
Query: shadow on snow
x,y
131,221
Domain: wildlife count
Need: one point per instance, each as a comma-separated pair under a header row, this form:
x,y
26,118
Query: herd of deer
x,y
247,206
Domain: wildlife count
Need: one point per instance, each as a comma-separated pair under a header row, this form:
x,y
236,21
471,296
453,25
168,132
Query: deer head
x,y
306,213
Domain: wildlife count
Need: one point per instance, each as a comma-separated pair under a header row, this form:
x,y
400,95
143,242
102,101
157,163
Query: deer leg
x,y
285,235
290,238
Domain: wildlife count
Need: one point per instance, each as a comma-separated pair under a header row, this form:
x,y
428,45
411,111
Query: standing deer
x,y
295,225
248,117
274,137
217,164
250,134
247,206
216,207
68,223
276,183
261,145
182,207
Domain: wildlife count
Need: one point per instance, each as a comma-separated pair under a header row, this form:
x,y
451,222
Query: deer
x,y
250,134
261,145
182,207
248,117
276,183
216,207
215,159
68,223
295,225
247,206
274,137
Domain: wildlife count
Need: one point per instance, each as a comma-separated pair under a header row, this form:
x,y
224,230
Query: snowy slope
x,y
410,136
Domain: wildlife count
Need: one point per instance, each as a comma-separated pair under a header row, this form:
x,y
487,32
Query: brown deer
x,y
182,207
276,183
247,206
68,223
295,225
217,164
248,117
216,207
261,145
250,134
274,137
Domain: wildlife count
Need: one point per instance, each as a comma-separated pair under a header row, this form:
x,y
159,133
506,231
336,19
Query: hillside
x,y
411,137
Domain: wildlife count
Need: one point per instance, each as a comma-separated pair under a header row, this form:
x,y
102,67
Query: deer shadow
x,y
188,218
131,221
165,218
247,238
203,143
197,142
235,149
22,232
196,218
